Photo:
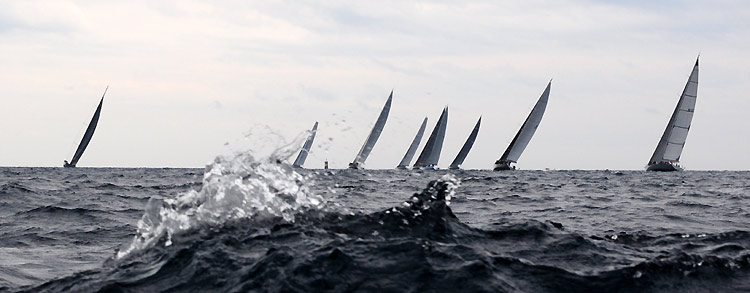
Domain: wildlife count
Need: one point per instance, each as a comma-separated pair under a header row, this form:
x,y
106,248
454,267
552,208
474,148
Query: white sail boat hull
x,y
667,155
359,161
524,135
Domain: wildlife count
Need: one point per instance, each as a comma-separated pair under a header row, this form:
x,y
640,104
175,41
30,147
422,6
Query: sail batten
x,y
302,156
372,138
526,132
88,134
431,152
413,147
466,147
675,134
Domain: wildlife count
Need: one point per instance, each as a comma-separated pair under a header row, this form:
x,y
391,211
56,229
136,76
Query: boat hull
x,y
663,167
356,165
503,166
402,167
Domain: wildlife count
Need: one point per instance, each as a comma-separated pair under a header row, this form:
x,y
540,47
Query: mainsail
x,y
672,141
373,137
431,153
306,147
522,138
467,147
413,147
87,136
404,164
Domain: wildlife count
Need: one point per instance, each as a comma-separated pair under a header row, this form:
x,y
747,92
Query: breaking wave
x,y
237,188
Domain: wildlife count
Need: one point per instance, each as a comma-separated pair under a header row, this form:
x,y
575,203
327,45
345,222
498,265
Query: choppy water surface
x,y
242,225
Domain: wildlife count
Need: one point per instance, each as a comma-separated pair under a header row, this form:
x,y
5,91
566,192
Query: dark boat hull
x,y
664,167
503,166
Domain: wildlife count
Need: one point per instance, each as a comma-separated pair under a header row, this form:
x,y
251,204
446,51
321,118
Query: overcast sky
x,y
193,79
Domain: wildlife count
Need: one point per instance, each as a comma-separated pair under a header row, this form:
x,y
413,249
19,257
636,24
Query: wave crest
x,y
237,188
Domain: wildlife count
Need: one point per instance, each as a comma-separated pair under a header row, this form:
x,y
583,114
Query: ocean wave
x,y
417,246
236,188
25,239
687,203
110,186
259,225
56,211
188,185
14,188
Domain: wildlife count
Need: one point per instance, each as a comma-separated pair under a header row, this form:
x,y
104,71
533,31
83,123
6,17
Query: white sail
x,y
413,147
431,153
467,147
373,137
522,138
672,141
306,147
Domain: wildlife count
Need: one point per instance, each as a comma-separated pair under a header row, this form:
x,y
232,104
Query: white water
x,y
240,187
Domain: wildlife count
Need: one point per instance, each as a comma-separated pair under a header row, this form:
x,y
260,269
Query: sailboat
x,y
430,155
666,157
466,148
86,136
404,164
364,152
306,147
522,138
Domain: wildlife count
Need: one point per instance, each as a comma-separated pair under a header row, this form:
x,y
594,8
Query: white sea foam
x,y
453,183
240,187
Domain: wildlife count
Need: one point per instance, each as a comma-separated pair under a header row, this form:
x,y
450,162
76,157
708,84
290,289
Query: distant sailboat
x,y
522,138
430,155
359,161
413,147
86,136
466,148
666,157
306,147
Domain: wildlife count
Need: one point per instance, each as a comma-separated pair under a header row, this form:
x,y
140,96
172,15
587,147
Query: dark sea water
x,y
241,225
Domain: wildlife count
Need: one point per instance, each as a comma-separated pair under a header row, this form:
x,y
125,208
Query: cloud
x,y
191,75
57,17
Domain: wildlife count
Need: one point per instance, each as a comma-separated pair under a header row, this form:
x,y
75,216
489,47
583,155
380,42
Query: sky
x,y
190,80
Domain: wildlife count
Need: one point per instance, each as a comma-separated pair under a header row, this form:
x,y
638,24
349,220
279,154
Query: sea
x,y
244,224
